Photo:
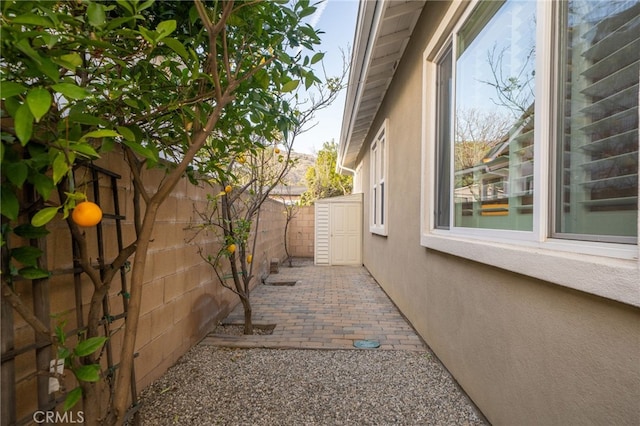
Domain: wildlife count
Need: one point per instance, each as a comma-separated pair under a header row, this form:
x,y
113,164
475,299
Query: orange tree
x,y
249,177
156,80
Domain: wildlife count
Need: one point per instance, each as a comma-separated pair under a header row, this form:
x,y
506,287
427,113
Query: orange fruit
x,y
228,189
87,214
277,150
249,258
231,248
240,159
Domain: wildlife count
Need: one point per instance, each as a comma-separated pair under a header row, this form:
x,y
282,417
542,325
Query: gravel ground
x,y
221,386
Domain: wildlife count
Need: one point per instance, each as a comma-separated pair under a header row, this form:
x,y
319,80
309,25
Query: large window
x,y
486,111
379,187
530,140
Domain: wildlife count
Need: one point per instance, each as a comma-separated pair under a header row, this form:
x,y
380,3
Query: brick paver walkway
x,y
329,307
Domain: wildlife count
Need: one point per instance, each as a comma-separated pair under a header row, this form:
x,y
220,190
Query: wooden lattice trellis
x,y
26,361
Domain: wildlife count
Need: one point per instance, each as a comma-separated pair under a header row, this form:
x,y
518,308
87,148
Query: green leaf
x,y
44,216
33,19
26,255
29,231
88,373
165,28
71,91
33,273
62,352
102,133
60,167
39,101
148,35
10,88
23,124
82,118
89,346
125,5
145,5
317,57
61,337
70,61
132,103
50,39
290,86
73,397
84,149
308,80
24,46
9,205
262,77
140,150
16,172
126,133
43,184
177,47
50,69
119,22
309,32
307,11
95,14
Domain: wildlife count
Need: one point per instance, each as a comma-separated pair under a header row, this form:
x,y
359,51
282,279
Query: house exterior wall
x,y
526,351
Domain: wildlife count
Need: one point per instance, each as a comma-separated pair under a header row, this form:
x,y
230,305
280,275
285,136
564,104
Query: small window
x,y
379,187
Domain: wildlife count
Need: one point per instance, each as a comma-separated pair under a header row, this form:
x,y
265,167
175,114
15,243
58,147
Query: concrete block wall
x,y
301,232
182,299
270,242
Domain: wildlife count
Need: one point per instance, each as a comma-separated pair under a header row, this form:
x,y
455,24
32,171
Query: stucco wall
x,y
526,351
181,297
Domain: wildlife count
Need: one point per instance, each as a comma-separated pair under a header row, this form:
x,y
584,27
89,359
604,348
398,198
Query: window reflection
x,y
493,149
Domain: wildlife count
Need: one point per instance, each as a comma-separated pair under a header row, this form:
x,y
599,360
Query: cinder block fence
x,y
182,299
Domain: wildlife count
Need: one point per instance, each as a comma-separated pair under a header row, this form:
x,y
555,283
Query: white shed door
x,y
321,251
346,234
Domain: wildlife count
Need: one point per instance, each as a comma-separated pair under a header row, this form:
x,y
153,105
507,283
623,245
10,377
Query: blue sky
x,y
337,18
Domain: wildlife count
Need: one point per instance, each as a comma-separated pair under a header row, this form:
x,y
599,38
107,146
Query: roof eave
x,y
379,43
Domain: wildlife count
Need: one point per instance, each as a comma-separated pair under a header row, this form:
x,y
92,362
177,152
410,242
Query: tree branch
x,y
17,304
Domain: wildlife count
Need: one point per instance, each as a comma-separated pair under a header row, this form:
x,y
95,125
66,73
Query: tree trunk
x,y
286,246
93,403
248,324
123,379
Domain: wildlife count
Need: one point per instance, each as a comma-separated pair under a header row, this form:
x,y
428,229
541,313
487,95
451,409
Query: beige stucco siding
x,y
526,351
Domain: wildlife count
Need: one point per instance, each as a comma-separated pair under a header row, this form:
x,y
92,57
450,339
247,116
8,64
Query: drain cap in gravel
x,y
366,344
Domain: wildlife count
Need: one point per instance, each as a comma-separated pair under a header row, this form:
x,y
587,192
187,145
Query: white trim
x,y
382,136
604,269
615,279
542,122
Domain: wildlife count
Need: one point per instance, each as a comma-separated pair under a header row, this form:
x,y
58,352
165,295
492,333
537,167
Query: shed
x,y
338,230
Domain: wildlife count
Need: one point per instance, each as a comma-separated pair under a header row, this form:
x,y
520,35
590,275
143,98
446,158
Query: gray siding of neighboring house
x,y
526,351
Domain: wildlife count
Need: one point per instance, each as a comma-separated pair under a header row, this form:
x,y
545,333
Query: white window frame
x,y
379,161
610,270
